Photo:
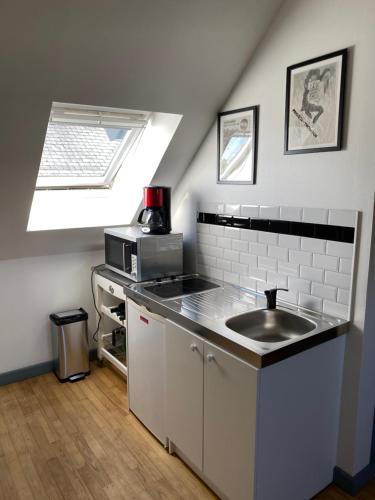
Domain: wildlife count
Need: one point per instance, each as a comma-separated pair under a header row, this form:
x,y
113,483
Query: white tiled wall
x,y
318,273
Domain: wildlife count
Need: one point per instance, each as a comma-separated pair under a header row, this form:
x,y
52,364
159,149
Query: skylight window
x,y
85,147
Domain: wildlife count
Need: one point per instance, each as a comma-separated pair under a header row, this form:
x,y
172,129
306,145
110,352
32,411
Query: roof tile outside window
x,y
72,150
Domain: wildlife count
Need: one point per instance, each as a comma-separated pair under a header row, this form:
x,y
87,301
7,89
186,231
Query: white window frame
x,y
96,117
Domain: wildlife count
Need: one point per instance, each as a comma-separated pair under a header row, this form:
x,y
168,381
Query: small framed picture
x,y
314,104
237,146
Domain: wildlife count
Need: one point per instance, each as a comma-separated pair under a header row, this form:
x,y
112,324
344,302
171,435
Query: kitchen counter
x,y
205,314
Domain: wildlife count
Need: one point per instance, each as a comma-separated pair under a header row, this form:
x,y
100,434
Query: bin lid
x,y
71,316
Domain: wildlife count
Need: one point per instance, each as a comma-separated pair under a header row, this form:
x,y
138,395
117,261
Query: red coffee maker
x,y
155,218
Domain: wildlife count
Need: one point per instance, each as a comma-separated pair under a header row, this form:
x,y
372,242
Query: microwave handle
x,y
126,257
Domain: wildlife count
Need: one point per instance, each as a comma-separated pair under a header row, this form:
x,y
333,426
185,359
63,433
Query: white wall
x,y
163,56
346,179
31,289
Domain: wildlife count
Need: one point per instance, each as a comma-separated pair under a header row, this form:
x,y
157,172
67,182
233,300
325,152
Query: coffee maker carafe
x,y
155,218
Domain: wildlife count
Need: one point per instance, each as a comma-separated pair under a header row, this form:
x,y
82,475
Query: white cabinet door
x,y
230,394
184,392
146,360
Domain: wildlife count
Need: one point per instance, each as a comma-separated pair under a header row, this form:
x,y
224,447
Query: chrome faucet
x,y
271,296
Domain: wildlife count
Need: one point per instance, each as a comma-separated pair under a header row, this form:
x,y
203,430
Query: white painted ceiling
x,y
174,56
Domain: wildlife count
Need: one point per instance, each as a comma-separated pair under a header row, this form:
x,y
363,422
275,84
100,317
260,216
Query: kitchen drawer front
x,y
110,287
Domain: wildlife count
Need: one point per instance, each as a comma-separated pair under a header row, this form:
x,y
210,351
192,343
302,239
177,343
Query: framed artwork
x,y
314,104
237,146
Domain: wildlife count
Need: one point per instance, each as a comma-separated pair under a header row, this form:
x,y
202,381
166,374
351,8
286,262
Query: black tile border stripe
x,y
342,234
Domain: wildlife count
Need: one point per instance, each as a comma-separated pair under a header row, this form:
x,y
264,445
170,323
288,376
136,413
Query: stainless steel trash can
x,y
70,344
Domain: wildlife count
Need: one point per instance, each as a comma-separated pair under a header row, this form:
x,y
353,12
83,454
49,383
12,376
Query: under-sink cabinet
x,y
254,434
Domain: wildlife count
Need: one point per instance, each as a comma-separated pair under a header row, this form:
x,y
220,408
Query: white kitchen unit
x,y
146,367
110,294
254,434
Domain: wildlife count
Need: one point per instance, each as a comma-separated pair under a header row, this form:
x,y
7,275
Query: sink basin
x,y
270,325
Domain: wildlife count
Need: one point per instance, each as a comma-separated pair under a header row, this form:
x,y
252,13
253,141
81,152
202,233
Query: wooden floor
x,y
78,441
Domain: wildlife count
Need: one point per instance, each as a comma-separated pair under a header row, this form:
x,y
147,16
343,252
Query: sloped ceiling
x,y
178,56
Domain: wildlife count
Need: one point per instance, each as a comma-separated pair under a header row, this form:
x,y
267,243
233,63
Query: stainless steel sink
x,y
270,325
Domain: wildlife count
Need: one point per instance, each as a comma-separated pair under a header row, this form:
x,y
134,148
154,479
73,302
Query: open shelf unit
x,y
107,296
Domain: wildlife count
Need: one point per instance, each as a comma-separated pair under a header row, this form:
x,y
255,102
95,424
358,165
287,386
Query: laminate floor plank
x,y
80,442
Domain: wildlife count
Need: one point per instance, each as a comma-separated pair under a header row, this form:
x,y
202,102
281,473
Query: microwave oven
x,y
140,256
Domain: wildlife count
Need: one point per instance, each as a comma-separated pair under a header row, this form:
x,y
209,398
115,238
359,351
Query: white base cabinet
x,y
184,391
254,434
211,410
146,363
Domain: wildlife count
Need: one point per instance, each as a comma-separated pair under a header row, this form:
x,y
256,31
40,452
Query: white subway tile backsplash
x,y
203,228
337,279
336,309
263,285
233,278
248,258
209,250
268,238
342,217
240,245
258,274
201,269
216,230
217,274
226,265
288,268
267,212
324,291
224,242
325,262
291,213
232,232
345,266
315,215
343,296
310,302
279,280
207,239
247,282
340,249
290,296
249,210
299,285
312,274
239,268
258,249
232,255
232,209
313,245
317,272
249,235
206,260
299,257
267,263
278,253
286,240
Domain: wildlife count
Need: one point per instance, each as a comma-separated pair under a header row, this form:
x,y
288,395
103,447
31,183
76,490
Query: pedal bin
x,y
70,345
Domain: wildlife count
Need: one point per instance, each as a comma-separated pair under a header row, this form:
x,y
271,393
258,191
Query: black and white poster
x,y
314,104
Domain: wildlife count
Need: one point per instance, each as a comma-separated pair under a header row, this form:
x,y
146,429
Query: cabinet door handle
x,y
194,347
210,357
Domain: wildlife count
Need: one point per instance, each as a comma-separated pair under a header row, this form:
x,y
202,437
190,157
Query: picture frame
x,y
237,132
314,104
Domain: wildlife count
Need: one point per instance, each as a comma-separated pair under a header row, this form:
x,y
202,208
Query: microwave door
x,y
114,252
